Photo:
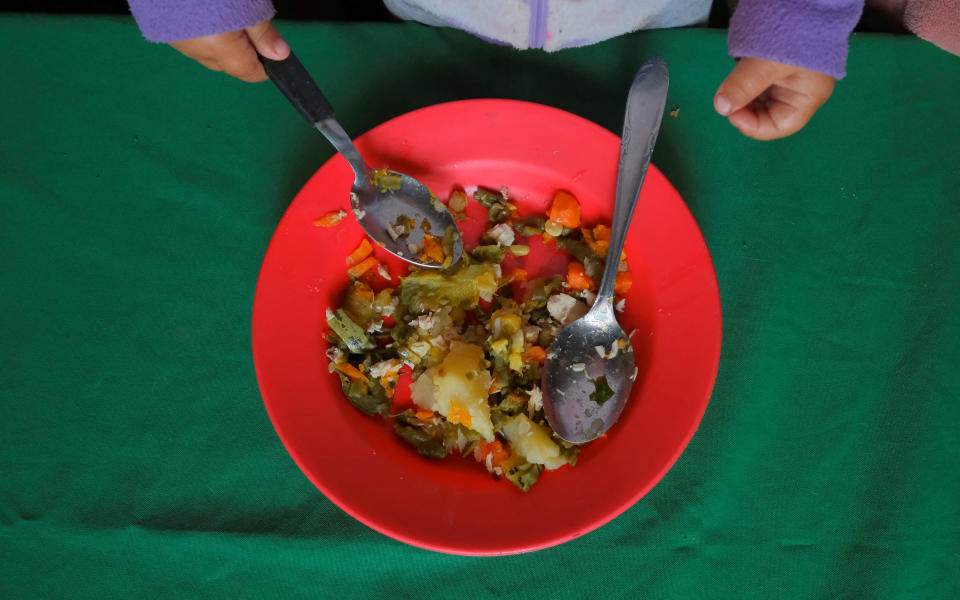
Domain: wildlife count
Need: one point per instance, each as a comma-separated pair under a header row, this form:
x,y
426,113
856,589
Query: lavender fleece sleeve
x,y
812,34
174,20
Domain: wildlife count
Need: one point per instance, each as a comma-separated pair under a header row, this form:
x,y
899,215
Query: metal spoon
x,y
590,366
378,209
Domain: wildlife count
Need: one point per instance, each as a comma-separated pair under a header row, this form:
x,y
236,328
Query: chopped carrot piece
x,y
623,282
535,354
362,267
577,277
498,454
350,371
565,209
432,249
389,385
424,414
458,414
359,253
494,388
547,238
599,246
517,274
587,236
330,219
601,233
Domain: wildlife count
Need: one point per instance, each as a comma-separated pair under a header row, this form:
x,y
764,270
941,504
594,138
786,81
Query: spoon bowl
x,y
377,207
378,211
595,362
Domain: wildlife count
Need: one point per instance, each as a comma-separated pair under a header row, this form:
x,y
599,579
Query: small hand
x,y
767,100
236,52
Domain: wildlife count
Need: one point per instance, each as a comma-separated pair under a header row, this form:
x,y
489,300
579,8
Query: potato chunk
x,y
457,388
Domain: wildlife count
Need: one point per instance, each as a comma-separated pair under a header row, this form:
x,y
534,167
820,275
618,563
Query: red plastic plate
x,y
453,505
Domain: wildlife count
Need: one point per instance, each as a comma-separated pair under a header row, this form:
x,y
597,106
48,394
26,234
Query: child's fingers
x,y
210,64
766,100
231,52
760,124
242,62
746,120
750,78
783,114
244,65
268,41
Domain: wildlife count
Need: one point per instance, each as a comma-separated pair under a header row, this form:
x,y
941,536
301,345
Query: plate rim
x,y
554,540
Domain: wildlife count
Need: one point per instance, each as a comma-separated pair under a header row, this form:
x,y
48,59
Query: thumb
x,y
268,41
750,78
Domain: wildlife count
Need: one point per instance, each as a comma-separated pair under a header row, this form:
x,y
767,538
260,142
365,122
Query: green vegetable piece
x,y
529,376
386,181
403,333
580,250
539,291
498,417
427,290
453,433
498,214
524,475
513,404
592,264
403,226
570,455
351,334
488,254
359,307
450,236
368,397
593,267
529,227
498,209
334,340
602,391
426,436
487,198
568,450
406,222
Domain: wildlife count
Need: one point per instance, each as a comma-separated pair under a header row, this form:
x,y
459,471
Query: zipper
x,y
538,23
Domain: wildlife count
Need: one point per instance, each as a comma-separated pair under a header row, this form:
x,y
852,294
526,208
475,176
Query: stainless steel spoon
x,y
590,366
385,211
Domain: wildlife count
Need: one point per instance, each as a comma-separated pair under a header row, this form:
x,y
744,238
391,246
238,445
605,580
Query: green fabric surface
x,y
138,193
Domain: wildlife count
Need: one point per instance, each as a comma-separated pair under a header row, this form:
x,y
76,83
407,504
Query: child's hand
x,y
767,100
236,52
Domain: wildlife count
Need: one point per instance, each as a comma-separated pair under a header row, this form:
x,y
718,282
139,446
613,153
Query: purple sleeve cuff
x,y
174,20
812,34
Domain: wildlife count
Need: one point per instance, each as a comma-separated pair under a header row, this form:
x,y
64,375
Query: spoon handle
x,y
293,79
641,123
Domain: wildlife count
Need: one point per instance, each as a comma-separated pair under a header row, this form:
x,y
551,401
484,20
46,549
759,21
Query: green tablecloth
x,y
137,196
